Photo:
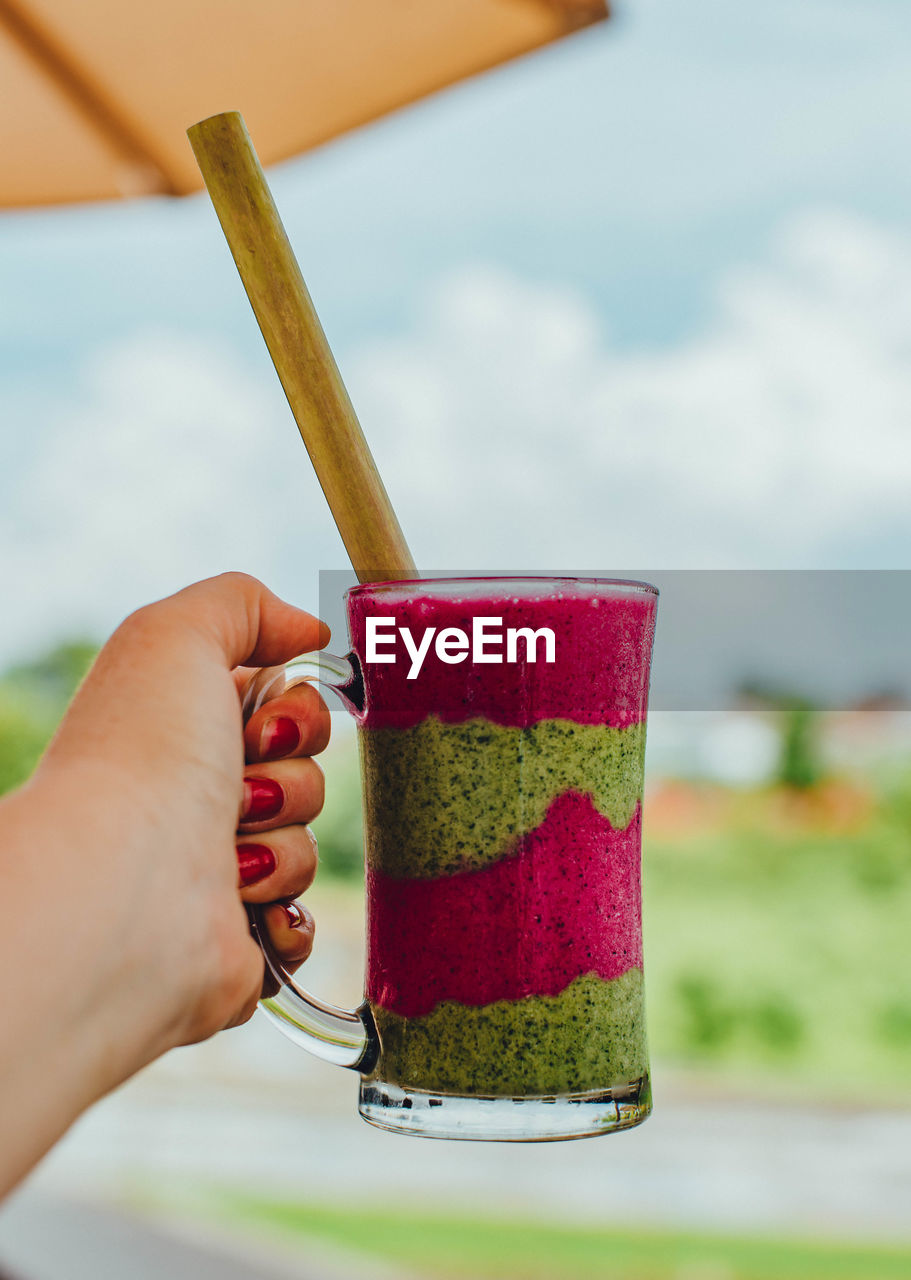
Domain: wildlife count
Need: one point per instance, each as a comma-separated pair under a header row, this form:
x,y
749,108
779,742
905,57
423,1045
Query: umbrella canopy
x,y
97,94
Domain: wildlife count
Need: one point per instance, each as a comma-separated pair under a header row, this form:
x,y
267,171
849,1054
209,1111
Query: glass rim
x,y
622,586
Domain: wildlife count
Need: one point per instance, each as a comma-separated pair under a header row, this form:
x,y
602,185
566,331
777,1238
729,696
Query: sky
x,y
641,299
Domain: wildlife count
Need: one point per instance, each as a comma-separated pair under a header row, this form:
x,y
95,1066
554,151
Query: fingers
x,y
279,798
291,928
279,864
282,794
295,723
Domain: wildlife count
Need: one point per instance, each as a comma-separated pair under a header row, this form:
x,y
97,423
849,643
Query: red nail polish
x,y
255,862
293,914
280,737
263,799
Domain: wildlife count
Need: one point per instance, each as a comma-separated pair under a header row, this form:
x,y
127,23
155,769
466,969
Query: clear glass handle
x,y
346,1037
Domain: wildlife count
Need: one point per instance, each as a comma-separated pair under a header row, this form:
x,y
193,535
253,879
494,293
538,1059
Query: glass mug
x,y
502,775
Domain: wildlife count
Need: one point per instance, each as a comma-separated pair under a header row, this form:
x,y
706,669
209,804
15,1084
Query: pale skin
x,y
123,928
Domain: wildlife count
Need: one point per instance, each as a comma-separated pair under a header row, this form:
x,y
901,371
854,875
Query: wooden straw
x,y
299,350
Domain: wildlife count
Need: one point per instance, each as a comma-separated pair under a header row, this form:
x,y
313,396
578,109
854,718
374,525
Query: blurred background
x,y
640,299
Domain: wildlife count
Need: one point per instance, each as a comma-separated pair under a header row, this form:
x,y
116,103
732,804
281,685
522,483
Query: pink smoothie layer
x,y
566,902
586,619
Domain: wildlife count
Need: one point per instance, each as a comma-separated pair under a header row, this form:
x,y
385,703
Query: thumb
x,y
244,621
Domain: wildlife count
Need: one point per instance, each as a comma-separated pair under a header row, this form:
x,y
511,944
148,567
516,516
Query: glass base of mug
x,y
549,1118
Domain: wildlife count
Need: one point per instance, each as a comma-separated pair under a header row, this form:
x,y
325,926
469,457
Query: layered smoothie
x,y
503,810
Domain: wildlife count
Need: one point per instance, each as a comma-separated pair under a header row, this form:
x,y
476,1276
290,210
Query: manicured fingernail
x,y
280,737
263,799
293,914
255,862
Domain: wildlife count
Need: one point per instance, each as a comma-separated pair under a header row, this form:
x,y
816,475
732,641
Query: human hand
x,y
131,821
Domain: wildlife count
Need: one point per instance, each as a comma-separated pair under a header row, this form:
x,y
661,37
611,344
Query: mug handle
x,y
345,1037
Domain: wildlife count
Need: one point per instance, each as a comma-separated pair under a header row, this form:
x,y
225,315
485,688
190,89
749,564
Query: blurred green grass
x,y
438,1245
776,943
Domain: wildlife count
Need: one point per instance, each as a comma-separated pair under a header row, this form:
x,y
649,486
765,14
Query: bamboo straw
x,y
299,350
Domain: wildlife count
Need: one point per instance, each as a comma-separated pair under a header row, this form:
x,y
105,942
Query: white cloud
x,y
516,435
170,463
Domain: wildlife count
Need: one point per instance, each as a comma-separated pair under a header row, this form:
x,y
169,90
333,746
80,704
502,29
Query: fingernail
x,y
280,737
255,862
293,915
263,799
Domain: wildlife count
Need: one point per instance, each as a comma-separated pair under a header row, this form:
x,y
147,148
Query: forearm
x,y
59,1050
46,1081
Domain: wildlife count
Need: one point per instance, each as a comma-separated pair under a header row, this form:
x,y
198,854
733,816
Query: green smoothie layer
x,y
443,798
590,1036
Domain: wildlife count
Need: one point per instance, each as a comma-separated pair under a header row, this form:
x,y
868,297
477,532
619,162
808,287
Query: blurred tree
x,y
776,1023
800,761
340,828
23,736
708,1018
33,697
712,1017
55,675
894,1024
800,764
897,802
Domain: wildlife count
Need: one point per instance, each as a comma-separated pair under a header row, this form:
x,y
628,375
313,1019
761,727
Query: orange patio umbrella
x,y
96,95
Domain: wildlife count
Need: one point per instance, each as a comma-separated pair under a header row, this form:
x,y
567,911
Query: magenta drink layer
x,y
502,768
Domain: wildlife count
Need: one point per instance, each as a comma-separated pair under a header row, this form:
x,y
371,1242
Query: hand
x,y
124,932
